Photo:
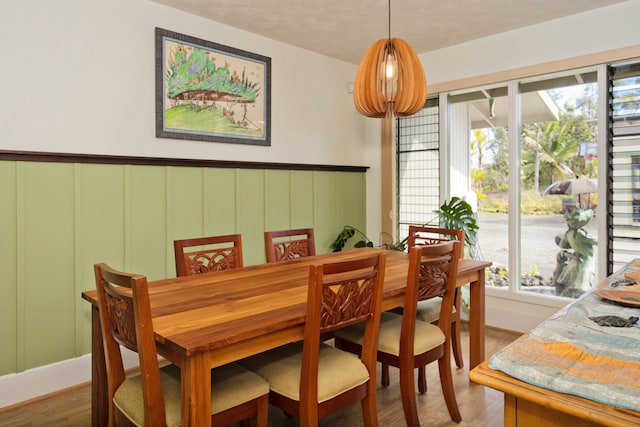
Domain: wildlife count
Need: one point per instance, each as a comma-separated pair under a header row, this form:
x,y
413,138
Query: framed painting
x,y
209,92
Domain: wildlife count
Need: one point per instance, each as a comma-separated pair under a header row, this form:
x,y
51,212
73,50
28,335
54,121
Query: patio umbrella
x,y
577,185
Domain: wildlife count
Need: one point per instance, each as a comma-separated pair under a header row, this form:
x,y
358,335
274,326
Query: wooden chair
x,y
289,244
429,310
152,398
213,254
408,343
312,379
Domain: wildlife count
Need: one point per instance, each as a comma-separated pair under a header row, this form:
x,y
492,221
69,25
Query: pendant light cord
x,y
389,19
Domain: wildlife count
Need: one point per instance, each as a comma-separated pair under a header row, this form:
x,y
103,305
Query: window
x,y
523,229
558,184
418,157
624,165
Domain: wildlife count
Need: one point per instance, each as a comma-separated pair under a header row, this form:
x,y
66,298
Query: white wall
x,y
78,76
594,31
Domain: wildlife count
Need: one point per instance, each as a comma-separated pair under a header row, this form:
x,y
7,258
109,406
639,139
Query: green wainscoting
x,y
57,219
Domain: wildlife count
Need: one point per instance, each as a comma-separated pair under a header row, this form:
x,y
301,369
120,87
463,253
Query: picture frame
x,y
206,91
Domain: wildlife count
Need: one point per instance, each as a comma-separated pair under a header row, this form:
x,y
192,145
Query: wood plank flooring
x,y
479,406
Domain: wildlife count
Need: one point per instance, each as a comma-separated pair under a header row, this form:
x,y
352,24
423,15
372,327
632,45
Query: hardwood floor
x,y
479,406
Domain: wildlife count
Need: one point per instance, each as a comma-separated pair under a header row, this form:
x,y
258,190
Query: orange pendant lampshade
x,y
381,89
390,80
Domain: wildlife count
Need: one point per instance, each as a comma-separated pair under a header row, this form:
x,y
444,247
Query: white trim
x,y
589,60
531,298
603,172
514,127
510,320
48,379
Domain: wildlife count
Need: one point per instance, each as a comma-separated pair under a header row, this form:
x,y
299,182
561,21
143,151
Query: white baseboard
x,y
48,379
507,320
510,321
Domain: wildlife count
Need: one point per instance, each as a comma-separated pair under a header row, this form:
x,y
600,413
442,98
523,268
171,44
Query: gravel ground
x,y
537,235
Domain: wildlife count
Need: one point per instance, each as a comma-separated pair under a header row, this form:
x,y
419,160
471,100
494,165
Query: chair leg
x,y
384,375
446,380
262,417
455,330
422,379
456,344
308,421
408,395
369,409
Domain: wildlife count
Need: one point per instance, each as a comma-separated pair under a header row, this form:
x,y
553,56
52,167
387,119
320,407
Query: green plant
x,y
347,233
455,213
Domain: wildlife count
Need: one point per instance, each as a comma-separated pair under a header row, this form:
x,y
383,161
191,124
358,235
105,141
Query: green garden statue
x,y
575,268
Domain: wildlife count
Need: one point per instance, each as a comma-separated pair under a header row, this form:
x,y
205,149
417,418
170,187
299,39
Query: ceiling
x,y
344,29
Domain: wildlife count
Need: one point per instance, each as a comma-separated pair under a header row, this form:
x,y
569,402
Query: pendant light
x,y
390,79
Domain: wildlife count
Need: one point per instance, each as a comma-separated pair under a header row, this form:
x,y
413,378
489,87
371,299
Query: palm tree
x,y
549,149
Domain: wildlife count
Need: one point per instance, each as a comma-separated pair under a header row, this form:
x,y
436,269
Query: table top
x,y
243,304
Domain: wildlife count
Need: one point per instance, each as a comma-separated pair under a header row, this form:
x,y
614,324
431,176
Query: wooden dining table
x,y
208,320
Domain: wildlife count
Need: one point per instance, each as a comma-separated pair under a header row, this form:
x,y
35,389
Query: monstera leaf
x,y
458,215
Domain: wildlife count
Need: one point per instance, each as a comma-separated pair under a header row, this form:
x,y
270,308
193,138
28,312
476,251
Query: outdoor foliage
x,y
550,152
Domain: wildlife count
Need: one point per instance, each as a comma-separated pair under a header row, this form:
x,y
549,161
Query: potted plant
x,y
455,214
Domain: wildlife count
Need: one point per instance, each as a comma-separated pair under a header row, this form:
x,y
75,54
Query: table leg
x,y
99,400
476,320
196,391
510,411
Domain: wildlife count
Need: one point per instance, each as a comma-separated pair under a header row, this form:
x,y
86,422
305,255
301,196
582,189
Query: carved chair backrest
x,y
341,294
125,320
419,235
432,273
211,254
289,244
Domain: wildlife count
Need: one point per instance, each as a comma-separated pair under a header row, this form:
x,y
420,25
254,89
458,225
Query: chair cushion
x,y
232,385
338,371
429,310
427,336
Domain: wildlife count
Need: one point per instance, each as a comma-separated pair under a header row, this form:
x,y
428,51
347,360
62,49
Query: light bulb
x,y
390,69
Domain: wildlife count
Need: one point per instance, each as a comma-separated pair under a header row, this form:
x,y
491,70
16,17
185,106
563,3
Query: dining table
x,y
208,320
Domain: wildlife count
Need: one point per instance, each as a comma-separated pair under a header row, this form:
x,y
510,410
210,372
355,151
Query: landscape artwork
x,y
209,92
